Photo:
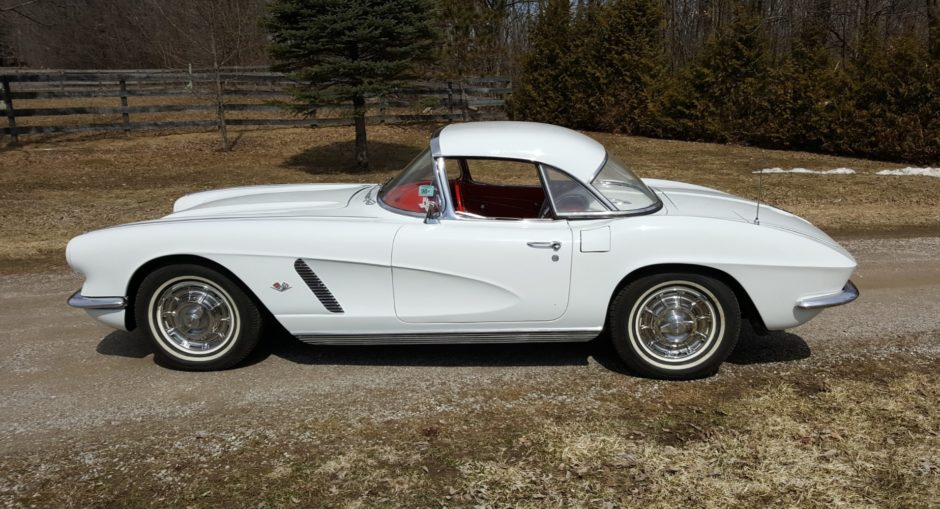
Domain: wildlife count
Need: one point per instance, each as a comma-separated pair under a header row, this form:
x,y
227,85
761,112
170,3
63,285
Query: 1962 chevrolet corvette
x,y
497,232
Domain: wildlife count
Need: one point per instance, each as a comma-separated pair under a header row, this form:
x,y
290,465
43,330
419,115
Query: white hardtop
x,y
556,146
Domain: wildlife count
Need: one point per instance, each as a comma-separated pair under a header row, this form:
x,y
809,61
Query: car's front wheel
x,y
197,318
675,326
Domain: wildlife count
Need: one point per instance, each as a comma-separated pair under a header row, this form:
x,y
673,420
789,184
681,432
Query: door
x,y
481,270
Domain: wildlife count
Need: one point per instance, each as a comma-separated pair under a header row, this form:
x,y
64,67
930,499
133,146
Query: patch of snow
x,y
926,172
836,171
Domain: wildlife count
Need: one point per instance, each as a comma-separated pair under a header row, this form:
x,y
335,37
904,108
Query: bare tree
x,y
214,34
478,37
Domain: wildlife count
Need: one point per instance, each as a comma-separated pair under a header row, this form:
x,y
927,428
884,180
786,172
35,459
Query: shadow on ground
x,y
339,157
751,349
777,346
124,344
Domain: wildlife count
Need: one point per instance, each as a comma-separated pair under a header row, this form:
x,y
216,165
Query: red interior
x,y
519,202
406,197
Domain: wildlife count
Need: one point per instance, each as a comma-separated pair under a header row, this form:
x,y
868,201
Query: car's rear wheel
x,y
675,326
197,318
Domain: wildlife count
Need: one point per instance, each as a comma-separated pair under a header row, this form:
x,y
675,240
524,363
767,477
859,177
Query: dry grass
x,y
854,437
55,187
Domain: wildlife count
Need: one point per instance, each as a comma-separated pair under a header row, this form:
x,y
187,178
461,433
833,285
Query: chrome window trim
x,y
589,189
453,213
440,180
447,210
611,213
436,143
599,168
656,207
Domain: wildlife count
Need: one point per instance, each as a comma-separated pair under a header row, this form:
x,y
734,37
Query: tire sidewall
x,y
627,305
247,318
171,349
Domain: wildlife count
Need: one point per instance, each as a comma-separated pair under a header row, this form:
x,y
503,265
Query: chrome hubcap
x,y
195,316
676,322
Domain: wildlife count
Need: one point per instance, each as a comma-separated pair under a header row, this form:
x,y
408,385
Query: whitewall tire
x,y
675,326
196,318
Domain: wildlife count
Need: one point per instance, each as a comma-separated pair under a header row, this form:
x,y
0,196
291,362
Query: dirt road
x,y
841,410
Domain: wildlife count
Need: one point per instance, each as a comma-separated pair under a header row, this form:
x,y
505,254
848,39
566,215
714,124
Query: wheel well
x,y
748,310
130,319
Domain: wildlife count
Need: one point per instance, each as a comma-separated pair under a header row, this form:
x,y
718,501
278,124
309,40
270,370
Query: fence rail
x,y
66,101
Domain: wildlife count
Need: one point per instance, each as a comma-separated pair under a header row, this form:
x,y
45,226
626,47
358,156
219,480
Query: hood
x,y
690,200
256,201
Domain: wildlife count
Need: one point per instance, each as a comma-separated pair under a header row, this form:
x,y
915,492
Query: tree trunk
x,y
220,110
359,114
219,97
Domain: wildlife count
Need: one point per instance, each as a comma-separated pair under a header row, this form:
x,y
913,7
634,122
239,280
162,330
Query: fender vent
x,y
317,287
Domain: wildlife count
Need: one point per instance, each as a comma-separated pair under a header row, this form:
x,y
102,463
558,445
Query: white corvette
x,y
498,232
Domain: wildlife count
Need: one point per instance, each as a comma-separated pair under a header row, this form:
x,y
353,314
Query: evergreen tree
x,y
619,65
895,103
347,50
725,89
806,91
933,28
540,91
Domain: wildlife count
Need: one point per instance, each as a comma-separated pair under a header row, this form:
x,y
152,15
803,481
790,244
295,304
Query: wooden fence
x,y
66,101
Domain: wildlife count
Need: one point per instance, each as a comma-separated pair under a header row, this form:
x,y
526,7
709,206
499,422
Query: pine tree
x,y
347,50
806,90
619,65
540,92
896,107
933,27
725,88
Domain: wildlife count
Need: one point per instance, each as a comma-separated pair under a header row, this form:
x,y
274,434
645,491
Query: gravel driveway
x,y
88,418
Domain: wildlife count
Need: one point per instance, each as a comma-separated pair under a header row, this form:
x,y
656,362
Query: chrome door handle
x,y
545,245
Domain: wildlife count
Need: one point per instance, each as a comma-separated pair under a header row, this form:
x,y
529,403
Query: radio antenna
x,y
760,194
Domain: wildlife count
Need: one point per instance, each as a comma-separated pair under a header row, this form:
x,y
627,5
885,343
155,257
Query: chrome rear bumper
x,y
77,300
848,294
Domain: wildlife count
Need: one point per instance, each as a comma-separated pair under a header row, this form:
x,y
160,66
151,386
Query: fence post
x,y
8,103
125,117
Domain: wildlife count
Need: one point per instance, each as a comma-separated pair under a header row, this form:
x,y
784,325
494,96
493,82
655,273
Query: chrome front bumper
x,y
848,294
77,300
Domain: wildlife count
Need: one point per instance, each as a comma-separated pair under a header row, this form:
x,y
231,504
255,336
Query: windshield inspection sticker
x,y
426,190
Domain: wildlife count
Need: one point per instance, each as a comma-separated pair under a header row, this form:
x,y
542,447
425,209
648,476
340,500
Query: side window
x,y
568,195
499,172
496,189
452,167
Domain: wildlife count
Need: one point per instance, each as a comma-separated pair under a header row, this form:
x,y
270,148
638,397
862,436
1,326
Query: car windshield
x,y
624,189
413,189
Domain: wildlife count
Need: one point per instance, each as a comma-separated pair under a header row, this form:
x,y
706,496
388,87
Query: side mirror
x,y
434,212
